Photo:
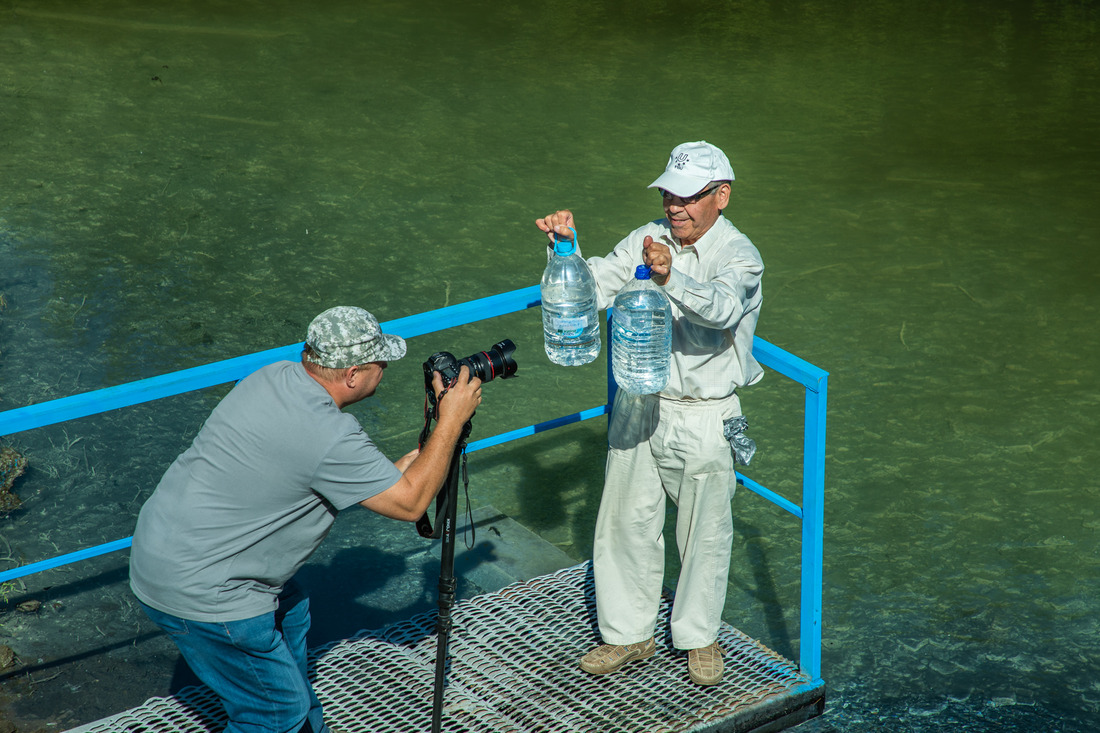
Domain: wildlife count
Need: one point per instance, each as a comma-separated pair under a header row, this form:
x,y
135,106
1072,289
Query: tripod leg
x,y
447,585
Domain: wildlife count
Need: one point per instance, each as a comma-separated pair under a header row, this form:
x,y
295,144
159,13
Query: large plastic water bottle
x,y
570,322
641,336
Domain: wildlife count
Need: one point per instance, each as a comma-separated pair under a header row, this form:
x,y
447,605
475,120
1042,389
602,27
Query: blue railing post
x,y
813,529
812,512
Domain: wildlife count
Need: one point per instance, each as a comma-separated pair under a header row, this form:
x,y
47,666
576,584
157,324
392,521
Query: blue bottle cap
x,y
564,247
641,272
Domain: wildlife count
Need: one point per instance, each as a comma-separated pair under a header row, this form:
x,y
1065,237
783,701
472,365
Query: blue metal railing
x,y
815,381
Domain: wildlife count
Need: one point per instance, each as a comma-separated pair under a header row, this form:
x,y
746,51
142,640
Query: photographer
x,y
676,443
240,511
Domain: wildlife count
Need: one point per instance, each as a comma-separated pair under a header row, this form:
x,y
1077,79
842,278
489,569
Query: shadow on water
x,y
42,670
764,590
337,587
549,481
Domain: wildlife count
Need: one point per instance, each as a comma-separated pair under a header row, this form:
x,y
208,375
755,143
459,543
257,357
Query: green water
x,y
191,182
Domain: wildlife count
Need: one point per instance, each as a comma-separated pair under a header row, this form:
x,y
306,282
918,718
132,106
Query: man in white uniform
x,y
676,443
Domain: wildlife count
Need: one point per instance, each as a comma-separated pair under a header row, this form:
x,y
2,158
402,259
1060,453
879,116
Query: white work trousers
x,y
662,447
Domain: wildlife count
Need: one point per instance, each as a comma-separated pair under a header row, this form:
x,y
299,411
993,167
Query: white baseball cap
x,y
691,167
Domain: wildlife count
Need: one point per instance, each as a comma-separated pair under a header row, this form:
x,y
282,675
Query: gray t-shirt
x,y
244,507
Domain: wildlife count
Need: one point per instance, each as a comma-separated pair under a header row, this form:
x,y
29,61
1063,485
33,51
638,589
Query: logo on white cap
x,y
692,167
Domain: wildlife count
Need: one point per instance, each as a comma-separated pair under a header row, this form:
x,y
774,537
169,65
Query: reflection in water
x,y
194,183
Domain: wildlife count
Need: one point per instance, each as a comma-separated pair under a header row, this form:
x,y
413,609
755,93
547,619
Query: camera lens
x,y
485,365
496,362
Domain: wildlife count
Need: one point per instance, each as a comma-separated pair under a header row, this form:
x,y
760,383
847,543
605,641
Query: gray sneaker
x,y
610,657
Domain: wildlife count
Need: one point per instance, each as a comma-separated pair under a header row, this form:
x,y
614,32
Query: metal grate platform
x,y
513,657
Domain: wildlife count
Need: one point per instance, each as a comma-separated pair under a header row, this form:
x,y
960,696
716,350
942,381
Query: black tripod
x,y
446,512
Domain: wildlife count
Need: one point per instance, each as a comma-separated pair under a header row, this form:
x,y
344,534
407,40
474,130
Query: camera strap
x,y
447,493
442,504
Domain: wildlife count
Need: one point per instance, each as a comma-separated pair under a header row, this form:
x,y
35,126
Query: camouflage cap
x,y
346,336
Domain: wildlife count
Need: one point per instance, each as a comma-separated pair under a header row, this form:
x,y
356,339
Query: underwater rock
x,y
12,466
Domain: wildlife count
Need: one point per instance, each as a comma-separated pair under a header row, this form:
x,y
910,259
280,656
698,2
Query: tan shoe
x,y
705,665
609,657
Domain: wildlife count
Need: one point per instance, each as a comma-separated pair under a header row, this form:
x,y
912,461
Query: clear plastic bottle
x,y
570,322
641,336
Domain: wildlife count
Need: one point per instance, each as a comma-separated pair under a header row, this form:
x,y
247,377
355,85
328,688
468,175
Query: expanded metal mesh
x,y
513,667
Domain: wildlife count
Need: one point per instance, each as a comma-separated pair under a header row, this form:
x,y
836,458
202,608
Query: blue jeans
x,y
256,666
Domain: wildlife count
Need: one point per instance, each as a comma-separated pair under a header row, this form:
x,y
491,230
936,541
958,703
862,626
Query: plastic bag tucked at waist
x,y
744,447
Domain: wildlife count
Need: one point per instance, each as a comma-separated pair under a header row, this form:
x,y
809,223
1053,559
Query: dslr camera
x,y
485,365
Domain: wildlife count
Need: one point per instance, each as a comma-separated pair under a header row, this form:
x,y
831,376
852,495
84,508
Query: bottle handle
x,y
574,241
571,239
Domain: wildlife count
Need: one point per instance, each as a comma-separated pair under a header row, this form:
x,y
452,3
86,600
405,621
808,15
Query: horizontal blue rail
x,y
540,428
230,370
815,381
771,496
74,557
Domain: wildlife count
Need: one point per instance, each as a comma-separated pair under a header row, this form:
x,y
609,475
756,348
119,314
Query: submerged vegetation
x,y
12,466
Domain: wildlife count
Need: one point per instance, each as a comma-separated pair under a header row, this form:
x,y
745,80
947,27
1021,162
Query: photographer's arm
x,y
423,477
